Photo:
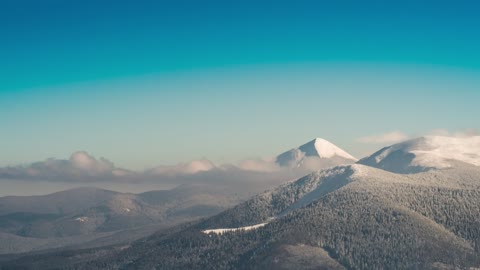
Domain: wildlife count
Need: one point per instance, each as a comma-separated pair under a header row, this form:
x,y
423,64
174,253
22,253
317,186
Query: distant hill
x,y
81,214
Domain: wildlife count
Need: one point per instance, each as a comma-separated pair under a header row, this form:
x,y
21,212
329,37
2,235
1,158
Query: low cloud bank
x,y
82,168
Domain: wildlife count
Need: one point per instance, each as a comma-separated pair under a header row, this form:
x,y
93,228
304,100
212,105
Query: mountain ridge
x,y
352,216
370,219
425,153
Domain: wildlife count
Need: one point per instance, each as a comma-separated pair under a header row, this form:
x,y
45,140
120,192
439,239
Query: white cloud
x,y
389,137
258,165
82,169
459,134
79,167
191,167
439,132
397,136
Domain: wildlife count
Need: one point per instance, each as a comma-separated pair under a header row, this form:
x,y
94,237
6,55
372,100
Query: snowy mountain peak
x,y
426,153
317,153
324,149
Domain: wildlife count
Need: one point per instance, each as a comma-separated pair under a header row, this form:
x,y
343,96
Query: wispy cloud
x,y
389,137
460,134
259,165
398,136
191,167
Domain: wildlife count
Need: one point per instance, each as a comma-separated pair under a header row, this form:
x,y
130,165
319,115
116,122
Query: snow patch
x,y
82,219
246,228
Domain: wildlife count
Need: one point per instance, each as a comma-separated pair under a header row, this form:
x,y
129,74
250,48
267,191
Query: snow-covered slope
x,y
296,195
385,220
316,154
426,153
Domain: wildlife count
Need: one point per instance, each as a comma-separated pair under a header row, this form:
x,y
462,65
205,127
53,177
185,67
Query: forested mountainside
x,y
353,217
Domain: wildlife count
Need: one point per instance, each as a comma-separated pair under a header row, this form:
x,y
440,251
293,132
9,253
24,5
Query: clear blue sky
x,y
157,82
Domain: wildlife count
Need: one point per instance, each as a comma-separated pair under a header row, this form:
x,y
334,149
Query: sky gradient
x,y
144,83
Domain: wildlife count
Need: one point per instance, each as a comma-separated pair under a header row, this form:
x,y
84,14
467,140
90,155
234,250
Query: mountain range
x,y
81,215
412,205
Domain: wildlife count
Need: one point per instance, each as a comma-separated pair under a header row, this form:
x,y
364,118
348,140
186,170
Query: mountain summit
x,y
426,153
316,154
